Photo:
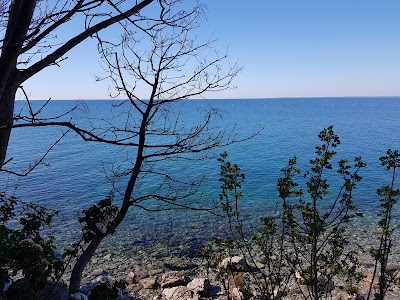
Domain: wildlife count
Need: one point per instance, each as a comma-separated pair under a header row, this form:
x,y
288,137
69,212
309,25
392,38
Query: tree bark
x,y
7,100
20,17
81,263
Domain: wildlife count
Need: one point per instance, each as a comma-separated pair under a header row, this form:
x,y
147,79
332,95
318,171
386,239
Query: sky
x,y
287,48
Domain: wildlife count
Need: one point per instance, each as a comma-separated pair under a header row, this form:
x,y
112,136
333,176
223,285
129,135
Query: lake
x,y
75,174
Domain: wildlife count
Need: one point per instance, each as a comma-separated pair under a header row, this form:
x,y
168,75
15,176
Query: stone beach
x,y
153,273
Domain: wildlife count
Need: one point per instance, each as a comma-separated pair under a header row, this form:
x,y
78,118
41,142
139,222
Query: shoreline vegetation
x,y
233,266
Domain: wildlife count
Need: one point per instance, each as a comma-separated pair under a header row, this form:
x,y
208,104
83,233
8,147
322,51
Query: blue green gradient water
x,y
75,178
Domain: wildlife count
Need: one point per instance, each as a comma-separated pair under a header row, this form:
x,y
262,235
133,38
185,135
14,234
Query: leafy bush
x,y
23,249
307,242
389,197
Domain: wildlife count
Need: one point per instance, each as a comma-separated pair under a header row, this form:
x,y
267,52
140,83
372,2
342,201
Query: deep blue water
x,y
74,175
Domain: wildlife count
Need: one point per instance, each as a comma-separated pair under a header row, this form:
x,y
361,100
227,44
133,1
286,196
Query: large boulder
x,y
173,279
177,293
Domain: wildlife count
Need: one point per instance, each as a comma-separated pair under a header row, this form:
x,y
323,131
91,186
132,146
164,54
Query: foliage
x,y
95,221
389,196
23,248
317,231
266,244
308,239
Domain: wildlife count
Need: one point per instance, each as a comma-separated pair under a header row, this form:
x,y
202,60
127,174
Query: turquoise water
x,y
75,174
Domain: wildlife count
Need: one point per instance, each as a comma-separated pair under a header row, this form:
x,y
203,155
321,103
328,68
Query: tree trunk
x,y
81,263
20,16
7,100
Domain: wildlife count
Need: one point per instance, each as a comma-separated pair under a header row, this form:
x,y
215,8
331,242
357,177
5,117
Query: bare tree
x,y
29,41
174,68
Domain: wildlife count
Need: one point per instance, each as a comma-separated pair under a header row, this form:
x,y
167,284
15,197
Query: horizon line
x,y
250,98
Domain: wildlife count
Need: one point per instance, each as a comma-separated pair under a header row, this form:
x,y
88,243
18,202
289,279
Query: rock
x,y
141,274
78,296
177,293
130,277
299,278
236,294
107,256
236,280
237,263
273,257
155,272
148,283
260,265
173,279
105,279
20,290
200,286
134,287
393,267
98,272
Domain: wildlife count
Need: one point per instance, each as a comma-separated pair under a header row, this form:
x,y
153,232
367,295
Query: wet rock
x,y
173,279
236,263
200,286
148,283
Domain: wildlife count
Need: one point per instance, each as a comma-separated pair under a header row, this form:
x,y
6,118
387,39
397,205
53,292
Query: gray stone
x,y
173,279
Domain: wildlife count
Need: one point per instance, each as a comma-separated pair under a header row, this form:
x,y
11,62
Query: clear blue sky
x,y
288,48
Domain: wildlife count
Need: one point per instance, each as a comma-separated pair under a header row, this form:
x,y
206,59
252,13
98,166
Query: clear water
x,y
75,175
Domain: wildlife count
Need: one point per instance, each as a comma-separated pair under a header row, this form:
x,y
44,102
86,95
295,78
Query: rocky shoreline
x,y
183,278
